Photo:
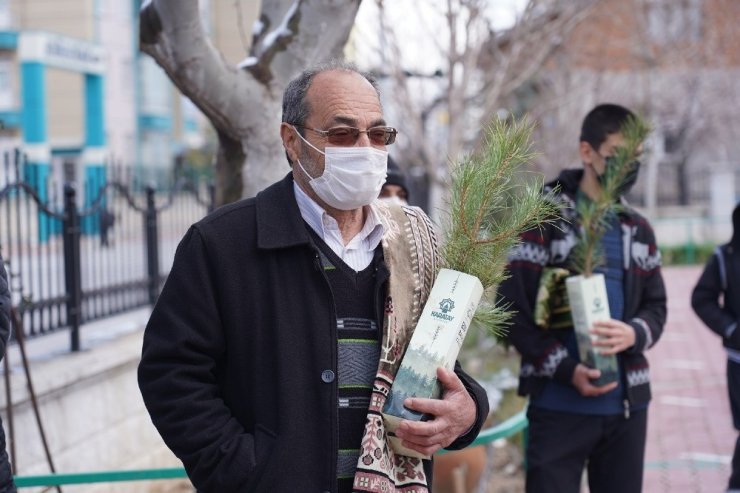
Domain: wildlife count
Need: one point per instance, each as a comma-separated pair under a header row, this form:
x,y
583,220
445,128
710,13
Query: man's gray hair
x,y
295,106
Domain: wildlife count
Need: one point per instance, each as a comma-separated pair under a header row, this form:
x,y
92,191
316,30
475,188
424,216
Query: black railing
x,y
81,258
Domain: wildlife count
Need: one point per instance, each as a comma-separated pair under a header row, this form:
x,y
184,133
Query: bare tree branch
x,y
299,33
482,69
527,47
178,43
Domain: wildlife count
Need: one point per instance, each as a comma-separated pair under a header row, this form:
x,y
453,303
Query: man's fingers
x,y
427,450
603,341
449,379
605,388
421,440
606,331
451,384
582,380
606,324
409,428
435,407
615,348
593,390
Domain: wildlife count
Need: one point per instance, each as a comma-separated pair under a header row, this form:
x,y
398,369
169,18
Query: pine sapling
x,y
491,203
594,214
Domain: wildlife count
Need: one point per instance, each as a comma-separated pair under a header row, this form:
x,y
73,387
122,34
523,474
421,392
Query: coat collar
x,y
279,221
568,182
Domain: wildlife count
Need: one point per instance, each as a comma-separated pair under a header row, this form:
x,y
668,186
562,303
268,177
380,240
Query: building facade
x,y
677,63
76,93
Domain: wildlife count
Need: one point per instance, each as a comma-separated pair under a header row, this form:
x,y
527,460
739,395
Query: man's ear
x,y
290,141
585,151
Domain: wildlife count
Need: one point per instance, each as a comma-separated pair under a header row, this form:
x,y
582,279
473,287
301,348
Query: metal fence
x,y
510,427
75,256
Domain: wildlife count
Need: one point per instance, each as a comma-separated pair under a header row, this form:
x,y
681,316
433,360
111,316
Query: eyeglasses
x,y
347,136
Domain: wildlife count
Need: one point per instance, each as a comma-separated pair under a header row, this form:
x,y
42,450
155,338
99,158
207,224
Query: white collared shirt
x,y
359,252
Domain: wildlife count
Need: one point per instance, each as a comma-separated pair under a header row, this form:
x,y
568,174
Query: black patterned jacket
x,y
543,352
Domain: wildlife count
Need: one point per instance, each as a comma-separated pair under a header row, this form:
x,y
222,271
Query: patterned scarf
x,y
410,252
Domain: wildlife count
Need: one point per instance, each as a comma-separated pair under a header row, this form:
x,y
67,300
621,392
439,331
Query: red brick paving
x,y
690,434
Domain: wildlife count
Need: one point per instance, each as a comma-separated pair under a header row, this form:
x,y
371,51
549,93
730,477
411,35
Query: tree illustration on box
x,y
416,378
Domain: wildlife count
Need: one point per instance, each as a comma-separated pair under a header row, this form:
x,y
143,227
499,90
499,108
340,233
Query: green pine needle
x,y
594,215
492,202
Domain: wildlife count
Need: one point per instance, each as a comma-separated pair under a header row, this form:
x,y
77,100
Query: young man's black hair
x,y
603,120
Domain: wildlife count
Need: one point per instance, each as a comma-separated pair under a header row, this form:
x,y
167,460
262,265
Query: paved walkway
x,y
690,433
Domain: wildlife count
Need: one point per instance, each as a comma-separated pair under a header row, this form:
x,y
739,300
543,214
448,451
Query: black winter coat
x,y
240,349
543,352
716,296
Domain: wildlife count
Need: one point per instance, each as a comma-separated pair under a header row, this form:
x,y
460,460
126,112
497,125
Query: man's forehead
x,y
613,141
342,96
616,140
339,78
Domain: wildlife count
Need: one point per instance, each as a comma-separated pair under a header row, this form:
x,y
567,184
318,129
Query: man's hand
x,y
614,336
582,377
454,415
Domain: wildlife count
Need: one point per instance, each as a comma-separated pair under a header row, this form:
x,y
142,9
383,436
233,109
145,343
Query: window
x,y
7,99
156,89
5,18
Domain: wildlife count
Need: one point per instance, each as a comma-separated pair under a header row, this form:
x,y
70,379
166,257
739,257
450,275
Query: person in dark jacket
x,y
6,476
271,349
716,300
394,189
572,421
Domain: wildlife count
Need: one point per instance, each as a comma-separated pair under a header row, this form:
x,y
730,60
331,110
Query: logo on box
x,y
446,305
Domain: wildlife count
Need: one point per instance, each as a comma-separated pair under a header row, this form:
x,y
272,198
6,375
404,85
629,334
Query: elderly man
x,y
268,357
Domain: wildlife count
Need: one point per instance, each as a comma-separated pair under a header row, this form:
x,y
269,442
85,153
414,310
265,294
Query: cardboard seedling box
x,y
589,303
436,342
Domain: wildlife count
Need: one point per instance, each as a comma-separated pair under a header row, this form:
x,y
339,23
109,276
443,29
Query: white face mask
x,y
394,200
352,178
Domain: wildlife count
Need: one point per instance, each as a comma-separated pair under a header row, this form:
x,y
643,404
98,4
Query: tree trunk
x,y
230,157
244,103
682,181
